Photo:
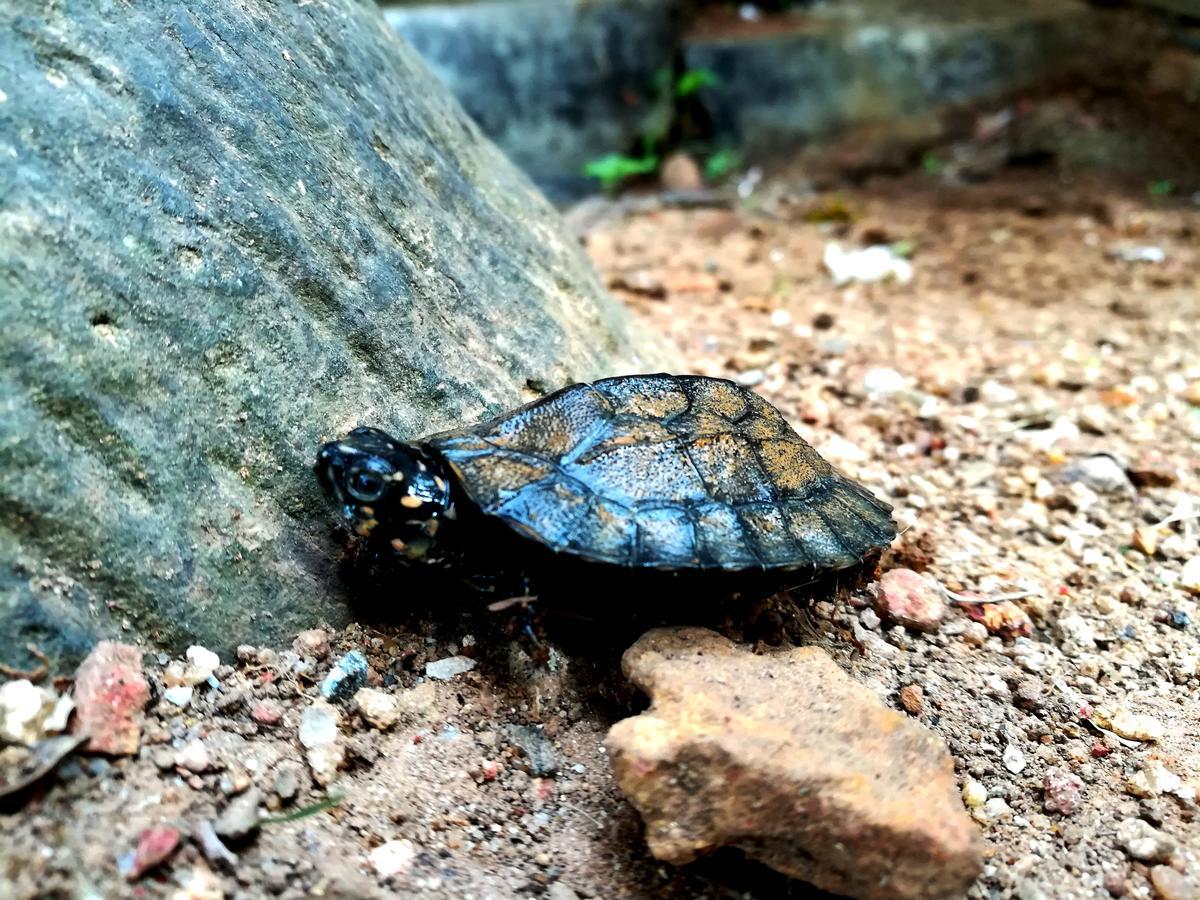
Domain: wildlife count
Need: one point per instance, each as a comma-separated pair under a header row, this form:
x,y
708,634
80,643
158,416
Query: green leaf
x,y
693,80
614,168
1164,187
721,163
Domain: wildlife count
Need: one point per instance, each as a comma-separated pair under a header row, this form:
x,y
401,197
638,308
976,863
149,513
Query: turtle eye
x,y
365,485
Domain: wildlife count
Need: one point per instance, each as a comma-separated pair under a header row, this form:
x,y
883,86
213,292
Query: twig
x,y
34,675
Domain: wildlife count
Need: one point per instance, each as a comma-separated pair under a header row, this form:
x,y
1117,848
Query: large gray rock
x,y
555,84
820,74
229,231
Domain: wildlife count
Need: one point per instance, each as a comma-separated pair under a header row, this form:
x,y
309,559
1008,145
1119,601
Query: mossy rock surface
x,y
229,231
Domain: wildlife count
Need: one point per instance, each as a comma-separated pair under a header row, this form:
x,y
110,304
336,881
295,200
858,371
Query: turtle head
x,y
386,490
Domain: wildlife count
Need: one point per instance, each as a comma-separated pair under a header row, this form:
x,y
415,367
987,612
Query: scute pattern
x,y
668,472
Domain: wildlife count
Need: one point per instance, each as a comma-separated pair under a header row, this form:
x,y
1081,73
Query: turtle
x,y
638,473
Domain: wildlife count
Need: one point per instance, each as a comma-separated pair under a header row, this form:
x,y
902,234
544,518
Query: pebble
x,y
1075,635
912,699
347,676
1014,759
1145,539
974,794
194,757
1189,577
975,634
324,762
1152,780
883,381
319,725
1063,791
240,819
1172,885
110,694
313,643
1143,841
24,711
154,846
996,809
1132,726
1029,693
541,756
445,669
380,709
869,619
267,713
910,599
1101,473
203,659
287,780
180,695
393,858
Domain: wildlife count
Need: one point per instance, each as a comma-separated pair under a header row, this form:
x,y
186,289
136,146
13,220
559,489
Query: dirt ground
x,y
974,397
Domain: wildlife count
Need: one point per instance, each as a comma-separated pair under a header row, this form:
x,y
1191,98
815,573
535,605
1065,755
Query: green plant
x,y
1163,187
932,163
693,80
721,163
612,169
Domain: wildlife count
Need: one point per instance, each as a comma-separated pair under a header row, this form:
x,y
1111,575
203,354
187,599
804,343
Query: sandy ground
x,y
974,397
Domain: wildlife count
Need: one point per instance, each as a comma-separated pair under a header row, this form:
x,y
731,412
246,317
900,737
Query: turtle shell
x,y
666,472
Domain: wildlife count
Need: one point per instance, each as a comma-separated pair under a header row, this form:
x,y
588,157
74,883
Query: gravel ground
x,y
1029,400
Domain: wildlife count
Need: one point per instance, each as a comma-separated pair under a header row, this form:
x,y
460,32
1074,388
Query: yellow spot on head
x,y
364,527
430,527
410,502
440,482
398,545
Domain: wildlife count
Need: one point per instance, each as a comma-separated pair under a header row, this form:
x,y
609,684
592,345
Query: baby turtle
x,y
661,472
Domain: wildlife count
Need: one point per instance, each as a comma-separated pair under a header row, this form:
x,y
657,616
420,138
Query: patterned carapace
x,y
647,471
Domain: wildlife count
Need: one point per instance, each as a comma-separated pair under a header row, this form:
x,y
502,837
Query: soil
x,y
974,397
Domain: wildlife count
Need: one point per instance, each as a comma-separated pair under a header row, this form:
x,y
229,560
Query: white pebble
x,y
445,669
393,858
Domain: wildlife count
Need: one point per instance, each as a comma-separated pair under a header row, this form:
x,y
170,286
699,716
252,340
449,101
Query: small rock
x,y
1143,841
974,794
240,818
1145,539
1063,791
560,891
1152,780
996,809
347,676
883,381
912,699
841,791
1189,576
154,846
393,858
1101,473
24,711
287,780
445,669
1075,635
210,845
313,643
203,660
180,695
110,694
194,757
380,709
542,759
319,725
1172,885
910,599
267,713
201,883
975,634
324,762
869,619
1004,619
1014,759
681,173
1132,726
1029,693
